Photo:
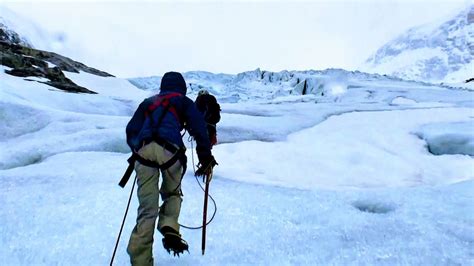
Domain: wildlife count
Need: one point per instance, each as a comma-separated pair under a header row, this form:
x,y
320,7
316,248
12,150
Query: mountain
x,y
437,52
29,32
10,36
18,54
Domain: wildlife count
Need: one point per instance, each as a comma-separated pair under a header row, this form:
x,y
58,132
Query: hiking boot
x,y
172,241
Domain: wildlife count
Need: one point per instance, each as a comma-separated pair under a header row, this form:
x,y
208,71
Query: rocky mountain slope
x,y
10,36
437,52
18,54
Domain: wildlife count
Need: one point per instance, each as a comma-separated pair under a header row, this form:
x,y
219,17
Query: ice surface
x,y
403,101
108,86
38,121
449,138
77,211
337,179
376,147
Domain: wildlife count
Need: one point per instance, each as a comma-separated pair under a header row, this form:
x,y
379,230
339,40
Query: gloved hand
x,y
205,166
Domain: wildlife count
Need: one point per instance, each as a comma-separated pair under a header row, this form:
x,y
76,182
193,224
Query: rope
x,y
184,226
190,139
123,222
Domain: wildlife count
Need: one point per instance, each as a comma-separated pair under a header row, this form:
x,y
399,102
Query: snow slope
x,y
439,52
339,176
32,111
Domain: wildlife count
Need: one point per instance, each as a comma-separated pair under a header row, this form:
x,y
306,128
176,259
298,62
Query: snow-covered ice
x,y
376,149
449,138
344,178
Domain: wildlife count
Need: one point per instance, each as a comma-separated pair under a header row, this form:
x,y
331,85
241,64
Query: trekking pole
x,y
204,215
123,222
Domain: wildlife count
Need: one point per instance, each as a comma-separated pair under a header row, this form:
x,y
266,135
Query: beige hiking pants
x,y
141,240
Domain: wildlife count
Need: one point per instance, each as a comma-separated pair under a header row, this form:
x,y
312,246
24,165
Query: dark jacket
x,y
211,110
207,104
145,125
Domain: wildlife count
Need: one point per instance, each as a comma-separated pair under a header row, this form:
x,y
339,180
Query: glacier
x,y
341,177
317,167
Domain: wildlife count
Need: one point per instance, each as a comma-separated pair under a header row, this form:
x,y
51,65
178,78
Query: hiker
x,y
154,135
208,106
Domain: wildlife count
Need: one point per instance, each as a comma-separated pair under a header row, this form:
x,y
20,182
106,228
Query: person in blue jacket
x,y
154,135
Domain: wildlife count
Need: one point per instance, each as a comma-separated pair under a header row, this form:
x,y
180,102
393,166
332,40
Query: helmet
x,y
203,92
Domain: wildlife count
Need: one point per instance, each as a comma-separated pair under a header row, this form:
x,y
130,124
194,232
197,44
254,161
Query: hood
x,y
173,81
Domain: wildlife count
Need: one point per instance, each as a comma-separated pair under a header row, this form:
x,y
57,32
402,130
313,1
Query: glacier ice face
x,y
330,85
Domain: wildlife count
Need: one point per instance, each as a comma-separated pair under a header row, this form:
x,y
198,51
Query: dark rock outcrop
x,y
7,35
26,61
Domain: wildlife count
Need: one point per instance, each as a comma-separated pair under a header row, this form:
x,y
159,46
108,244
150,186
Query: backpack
x,y
207,104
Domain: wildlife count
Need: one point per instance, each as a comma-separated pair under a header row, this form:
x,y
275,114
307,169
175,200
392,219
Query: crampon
x,y
173,242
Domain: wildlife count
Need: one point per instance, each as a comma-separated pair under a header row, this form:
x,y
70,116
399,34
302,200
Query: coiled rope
x,y
190,139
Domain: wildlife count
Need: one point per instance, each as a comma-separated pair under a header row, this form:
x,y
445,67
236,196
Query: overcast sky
x,y
146,38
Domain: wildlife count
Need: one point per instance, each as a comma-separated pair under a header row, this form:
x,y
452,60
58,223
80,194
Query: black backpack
x,y
207,104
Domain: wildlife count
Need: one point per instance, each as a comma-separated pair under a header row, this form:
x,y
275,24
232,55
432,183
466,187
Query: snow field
x,y
338,183
255,224
39,121
360,149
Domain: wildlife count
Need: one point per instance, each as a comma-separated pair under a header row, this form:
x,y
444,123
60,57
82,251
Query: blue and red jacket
x,y
165,115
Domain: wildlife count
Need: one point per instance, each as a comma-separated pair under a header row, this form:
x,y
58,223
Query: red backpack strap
x,y
164,100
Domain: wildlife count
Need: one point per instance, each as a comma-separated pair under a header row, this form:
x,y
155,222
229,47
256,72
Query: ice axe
x,y
207,180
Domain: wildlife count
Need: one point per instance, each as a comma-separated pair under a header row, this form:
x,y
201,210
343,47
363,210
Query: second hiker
x,y
208,106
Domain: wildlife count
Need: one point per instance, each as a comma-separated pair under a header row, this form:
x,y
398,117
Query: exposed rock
x,y
29,62
26,71
18,61
69,87
10,36
25,61
64,63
